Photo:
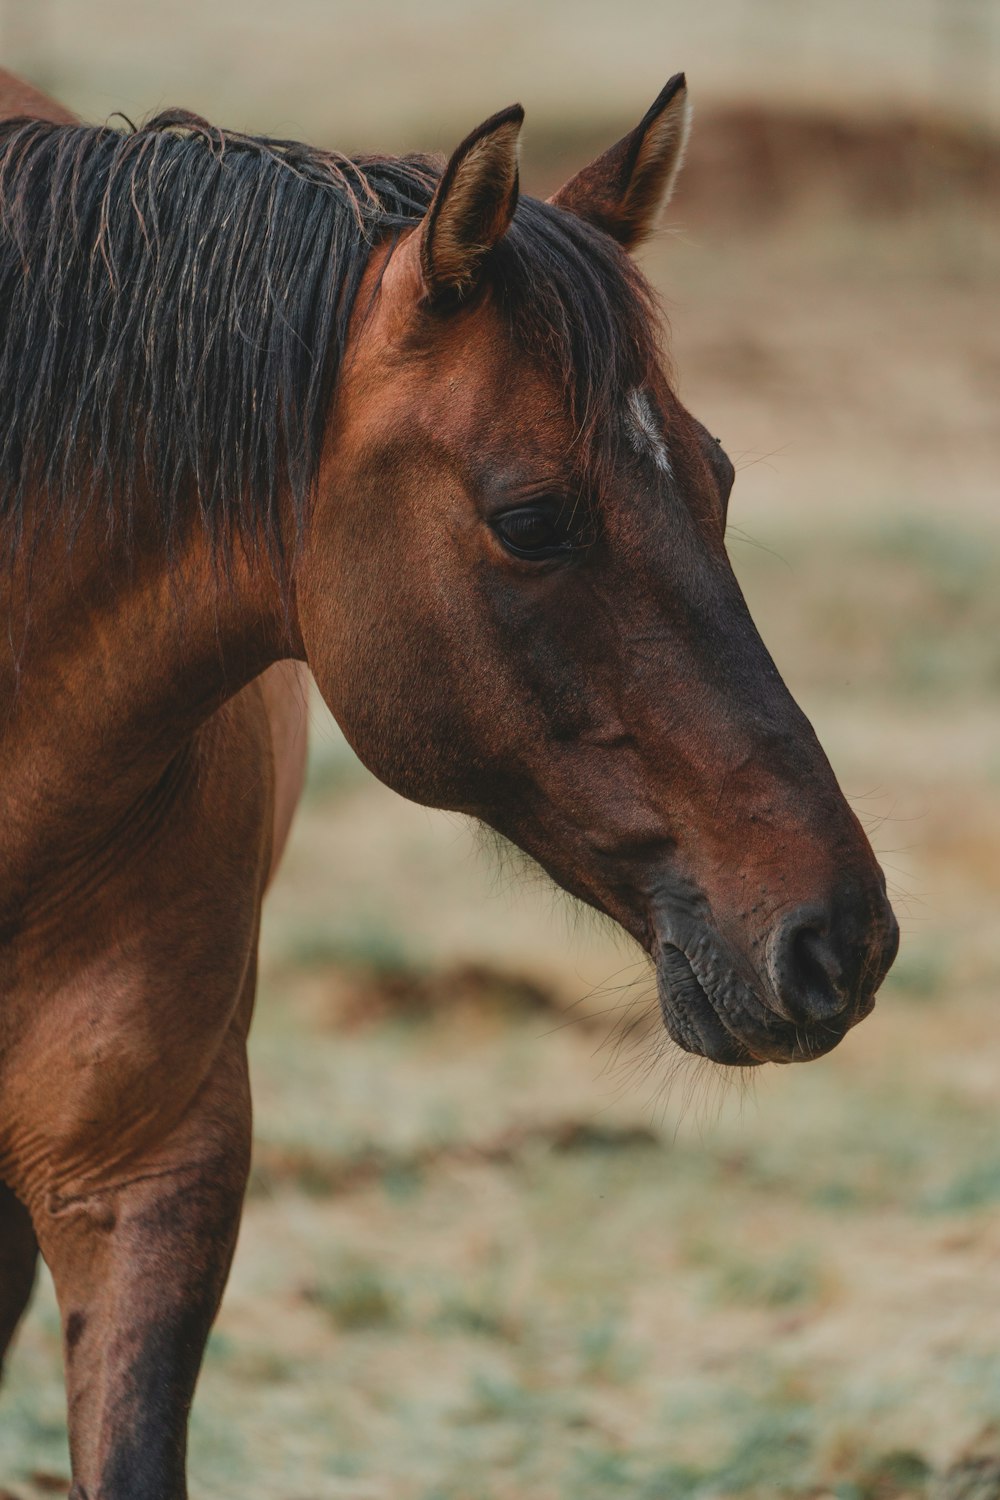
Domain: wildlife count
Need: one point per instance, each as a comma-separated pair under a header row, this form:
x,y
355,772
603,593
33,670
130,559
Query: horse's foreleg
x,y
18,1258
139,1267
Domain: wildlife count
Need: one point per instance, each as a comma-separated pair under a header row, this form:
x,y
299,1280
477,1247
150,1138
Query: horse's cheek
x,y
377,661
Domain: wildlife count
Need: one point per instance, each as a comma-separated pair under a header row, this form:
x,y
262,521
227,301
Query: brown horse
x,y
262,405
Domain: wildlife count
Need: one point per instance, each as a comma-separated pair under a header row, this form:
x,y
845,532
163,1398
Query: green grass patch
x,y
366,945
975,1187
791,1280
603,1352
358,1296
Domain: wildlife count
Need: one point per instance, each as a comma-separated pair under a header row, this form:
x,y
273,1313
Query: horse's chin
x,y
710,1010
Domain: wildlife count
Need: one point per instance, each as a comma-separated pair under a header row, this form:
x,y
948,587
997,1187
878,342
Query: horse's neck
x,y
107,669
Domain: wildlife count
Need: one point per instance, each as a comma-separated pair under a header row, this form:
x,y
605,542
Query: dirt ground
x,y
497,1249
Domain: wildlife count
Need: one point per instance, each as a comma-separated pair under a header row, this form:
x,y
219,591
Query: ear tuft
x,y
472,207
625,190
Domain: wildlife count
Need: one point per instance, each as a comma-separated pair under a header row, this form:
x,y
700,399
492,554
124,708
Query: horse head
x,y
514,593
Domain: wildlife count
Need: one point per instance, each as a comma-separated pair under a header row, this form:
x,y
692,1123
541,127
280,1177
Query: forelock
x,y
580,306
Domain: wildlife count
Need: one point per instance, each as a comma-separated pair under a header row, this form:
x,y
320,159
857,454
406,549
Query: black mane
x,y
175,302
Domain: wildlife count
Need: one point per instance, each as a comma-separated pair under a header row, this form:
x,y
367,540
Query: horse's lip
x,y
698,1019
689,1015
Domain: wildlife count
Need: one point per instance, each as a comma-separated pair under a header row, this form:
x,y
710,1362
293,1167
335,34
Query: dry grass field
x,y
501,1244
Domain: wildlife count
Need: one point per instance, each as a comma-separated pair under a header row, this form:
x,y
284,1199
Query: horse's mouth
x,y
708,1009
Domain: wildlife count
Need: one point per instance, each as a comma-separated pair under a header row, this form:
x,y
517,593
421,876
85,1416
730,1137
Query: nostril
x,y
806,970
814,963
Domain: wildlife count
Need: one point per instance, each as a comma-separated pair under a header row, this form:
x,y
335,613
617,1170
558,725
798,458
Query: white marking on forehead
x,y
644,430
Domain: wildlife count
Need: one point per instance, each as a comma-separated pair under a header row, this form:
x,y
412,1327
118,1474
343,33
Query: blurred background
x,y
500,1244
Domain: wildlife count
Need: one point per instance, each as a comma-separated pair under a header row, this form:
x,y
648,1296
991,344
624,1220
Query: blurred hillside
x,y
386,74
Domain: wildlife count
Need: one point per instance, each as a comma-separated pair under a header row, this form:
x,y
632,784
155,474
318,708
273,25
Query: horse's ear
x,y
624,191
472,207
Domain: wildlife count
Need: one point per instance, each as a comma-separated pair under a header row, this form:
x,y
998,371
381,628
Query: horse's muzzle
x,y
823,967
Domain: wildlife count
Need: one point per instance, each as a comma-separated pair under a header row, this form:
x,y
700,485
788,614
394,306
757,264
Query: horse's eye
x,y
534,531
